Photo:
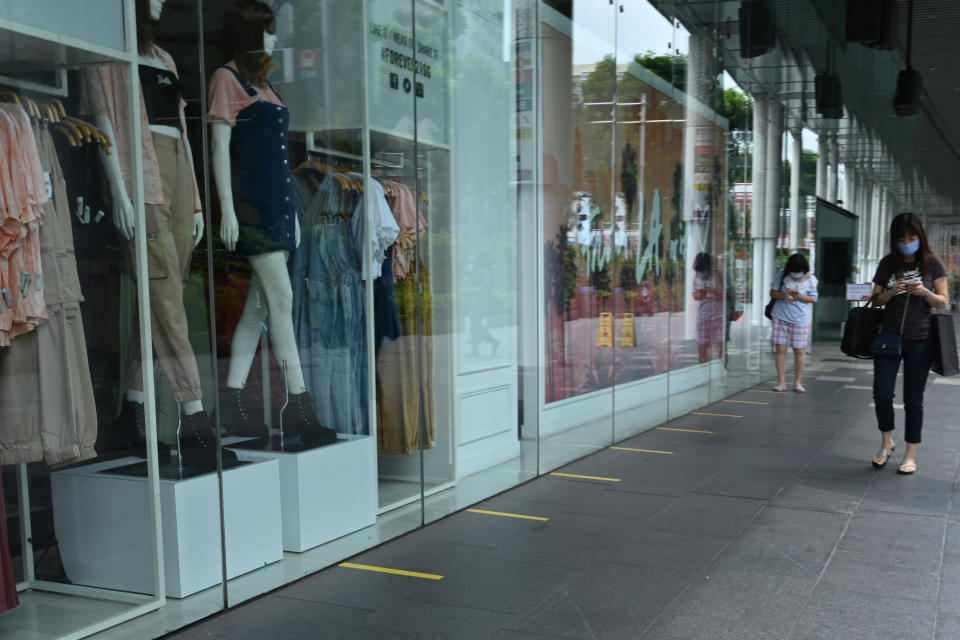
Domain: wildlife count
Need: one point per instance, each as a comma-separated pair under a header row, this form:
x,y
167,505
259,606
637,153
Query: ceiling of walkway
x,y
917,156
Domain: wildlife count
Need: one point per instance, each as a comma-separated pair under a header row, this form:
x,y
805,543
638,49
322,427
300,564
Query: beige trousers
x,y
169,250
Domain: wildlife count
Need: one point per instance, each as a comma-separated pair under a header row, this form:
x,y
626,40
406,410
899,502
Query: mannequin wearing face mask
x,y
174,226
258,214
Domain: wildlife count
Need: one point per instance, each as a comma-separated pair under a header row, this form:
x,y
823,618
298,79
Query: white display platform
x,y
325,493
103,526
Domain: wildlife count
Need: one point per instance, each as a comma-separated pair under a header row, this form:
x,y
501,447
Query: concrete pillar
x,y
796,173
765,217
833,176
702,144
822,155
760,288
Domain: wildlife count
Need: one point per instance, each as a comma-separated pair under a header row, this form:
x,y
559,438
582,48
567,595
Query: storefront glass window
x,y
387,258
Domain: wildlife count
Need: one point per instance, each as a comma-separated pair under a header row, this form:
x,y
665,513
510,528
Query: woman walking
x,y
909,280
794,289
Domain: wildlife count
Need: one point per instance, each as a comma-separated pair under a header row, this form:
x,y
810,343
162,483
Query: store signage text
x,y
390,56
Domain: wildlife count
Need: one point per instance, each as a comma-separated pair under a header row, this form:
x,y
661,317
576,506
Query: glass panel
x,y
473,252
696,270
74,418
302,238
579,74
646,157
404,363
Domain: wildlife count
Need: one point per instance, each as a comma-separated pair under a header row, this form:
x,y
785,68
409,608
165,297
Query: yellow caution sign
x,y
605,335
629,337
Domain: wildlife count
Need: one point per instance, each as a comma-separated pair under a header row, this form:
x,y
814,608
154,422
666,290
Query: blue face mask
x,y
910,248
796,275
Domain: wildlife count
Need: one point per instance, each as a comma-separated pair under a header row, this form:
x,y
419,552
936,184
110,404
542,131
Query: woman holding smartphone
x,y
909,280
794,288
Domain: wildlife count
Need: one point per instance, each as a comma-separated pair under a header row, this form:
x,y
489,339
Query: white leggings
x,y
270,284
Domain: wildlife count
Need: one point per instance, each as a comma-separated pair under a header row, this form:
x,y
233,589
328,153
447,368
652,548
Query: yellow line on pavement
x,y
764,391
745,402
573,475
669,453
507,515
686,430
719,415
397,572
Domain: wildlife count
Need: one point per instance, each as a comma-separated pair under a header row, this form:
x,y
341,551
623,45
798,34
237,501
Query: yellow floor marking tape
x,y
397,572
719,415
669,453
764,391
507,515
687,430
745,402
573,475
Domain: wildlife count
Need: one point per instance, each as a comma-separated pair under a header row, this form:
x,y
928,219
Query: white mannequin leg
x,y
271,268
247,335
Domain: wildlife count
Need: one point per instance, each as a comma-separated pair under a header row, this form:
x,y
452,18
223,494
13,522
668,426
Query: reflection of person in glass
x,y
708,290
174,226
258,213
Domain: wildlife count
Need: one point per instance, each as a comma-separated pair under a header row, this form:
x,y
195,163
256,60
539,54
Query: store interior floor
x,y
765,522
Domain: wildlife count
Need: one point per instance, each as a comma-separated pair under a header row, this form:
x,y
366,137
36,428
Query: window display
x,y
395,256
174,226
258,212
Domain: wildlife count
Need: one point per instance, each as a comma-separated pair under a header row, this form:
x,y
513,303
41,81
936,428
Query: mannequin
x,y
174,223
258,215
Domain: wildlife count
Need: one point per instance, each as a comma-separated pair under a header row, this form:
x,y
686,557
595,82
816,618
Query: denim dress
x,y
263,191
329,303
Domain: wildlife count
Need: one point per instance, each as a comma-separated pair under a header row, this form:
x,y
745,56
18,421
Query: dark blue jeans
x,y
917,355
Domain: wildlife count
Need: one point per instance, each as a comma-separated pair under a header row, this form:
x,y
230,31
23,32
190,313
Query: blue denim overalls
x,y
263,194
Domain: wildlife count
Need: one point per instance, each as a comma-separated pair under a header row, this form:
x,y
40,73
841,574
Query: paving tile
x,y
713,611
274,617
720,516
693,551
608,600
744,481
863,573
784,541
820,494
417,620
583,498
848,615
899,535
948,626
497,585
913,495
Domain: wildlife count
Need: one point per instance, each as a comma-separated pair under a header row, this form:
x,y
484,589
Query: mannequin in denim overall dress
x,y
259,220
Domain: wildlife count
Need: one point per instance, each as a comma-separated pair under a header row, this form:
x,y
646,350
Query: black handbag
x,y
944,345
862,326
891,344
768,310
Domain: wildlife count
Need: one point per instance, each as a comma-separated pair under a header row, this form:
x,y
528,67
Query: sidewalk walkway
x,y
758,517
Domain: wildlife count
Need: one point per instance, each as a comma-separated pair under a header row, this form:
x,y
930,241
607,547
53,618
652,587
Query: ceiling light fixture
x,y
906,101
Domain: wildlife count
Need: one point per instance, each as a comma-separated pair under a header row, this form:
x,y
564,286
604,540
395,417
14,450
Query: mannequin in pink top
x,y
174,226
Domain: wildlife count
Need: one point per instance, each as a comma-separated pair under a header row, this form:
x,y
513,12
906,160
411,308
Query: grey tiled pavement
x,y
773,526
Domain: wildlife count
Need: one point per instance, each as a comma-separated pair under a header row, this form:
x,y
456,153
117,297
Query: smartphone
x,y
914,281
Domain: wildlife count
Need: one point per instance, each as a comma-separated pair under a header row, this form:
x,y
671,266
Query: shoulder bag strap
x,y
903,319
243,81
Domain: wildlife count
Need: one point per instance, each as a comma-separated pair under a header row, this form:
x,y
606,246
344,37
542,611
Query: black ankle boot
x,y
129,433
237,419
299,419
198,443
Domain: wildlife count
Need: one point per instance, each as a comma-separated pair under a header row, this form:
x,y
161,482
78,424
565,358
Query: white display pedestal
x,y
105,538
325,493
